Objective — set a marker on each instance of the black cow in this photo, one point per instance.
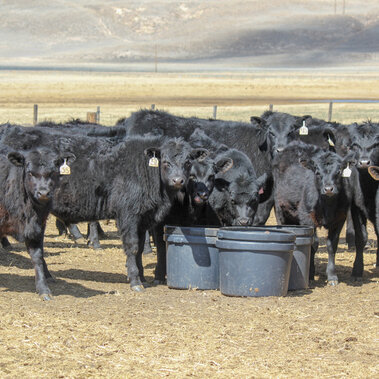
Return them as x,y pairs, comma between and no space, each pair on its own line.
52,134
114,181
248,138
121,185
309,190
365,143
28,181
283,128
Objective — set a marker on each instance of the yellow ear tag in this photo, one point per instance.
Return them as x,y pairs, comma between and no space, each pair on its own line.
153,161
65,168
303,131
331,143
346,173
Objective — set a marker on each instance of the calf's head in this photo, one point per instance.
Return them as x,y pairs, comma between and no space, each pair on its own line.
41,172
280,129
329,171
239,199
365,144
175,158
202,177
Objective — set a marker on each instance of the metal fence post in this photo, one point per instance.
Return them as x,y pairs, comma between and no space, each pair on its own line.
35,114
330,111
215,112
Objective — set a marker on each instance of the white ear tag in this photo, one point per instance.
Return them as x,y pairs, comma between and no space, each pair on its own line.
65,168
153,161
346,173
331,143
303,131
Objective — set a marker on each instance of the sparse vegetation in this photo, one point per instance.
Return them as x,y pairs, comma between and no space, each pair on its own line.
66,95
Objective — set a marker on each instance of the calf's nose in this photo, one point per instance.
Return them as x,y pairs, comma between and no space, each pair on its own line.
243,221
43,195
364,163
203,195
328,190
178,182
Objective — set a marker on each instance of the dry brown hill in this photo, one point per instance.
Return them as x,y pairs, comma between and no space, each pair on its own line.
286,33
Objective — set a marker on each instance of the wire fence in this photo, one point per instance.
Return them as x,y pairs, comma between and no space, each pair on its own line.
345,111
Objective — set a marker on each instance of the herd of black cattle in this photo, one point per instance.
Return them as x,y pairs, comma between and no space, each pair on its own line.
155,168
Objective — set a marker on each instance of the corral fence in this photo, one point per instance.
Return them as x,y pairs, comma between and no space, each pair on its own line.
95,117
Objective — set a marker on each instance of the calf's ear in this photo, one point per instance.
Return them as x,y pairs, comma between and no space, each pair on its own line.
68,157
151,152
301,120
350,158
265,184
16,158
258,121
199,154
223,165
307,163
374,172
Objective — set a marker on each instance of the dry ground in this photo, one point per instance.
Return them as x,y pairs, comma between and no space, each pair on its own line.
97,327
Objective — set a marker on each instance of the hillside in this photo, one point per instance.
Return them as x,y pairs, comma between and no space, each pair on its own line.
287,33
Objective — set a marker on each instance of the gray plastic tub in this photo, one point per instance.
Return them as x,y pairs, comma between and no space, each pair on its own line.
254,261
192,257
299,275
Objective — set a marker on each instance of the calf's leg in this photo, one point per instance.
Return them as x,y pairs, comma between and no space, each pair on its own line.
331,245
35,250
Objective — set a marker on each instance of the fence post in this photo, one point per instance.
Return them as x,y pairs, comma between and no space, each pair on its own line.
35,114
330,111
271,107
153,106
91,117
215,112
98,115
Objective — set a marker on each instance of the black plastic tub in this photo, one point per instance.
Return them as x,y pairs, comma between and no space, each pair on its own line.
254,261
299,275
192,257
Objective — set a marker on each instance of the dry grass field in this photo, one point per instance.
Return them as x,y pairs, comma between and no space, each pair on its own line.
96,327
65,95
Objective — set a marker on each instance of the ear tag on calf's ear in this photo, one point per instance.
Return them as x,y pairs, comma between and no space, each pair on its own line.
346,173
331,143
65,168
153,161
303,131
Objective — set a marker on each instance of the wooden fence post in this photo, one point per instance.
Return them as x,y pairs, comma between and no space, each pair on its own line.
215,112
271,107
91,117
153,106
35,114
330,111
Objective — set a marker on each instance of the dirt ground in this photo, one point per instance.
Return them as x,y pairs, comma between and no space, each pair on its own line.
97,327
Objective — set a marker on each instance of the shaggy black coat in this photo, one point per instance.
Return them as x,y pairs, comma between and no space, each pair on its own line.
27,184
248,138
309,190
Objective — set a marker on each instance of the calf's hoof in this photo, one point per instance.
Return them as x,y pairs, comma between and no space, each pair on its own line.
138,288
46,296
333,282
357,279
